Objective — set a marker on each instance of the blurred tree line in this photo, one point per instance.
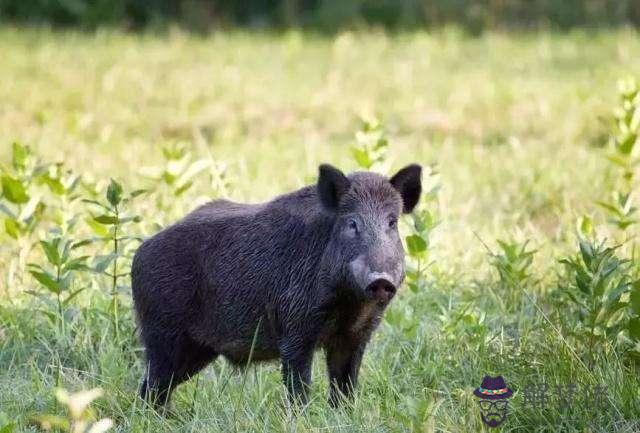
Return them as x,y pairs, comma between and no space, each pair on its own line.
326,15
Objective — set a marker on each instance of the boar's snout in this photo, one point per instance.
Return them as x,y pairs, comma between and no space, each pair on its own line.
380,287
373,282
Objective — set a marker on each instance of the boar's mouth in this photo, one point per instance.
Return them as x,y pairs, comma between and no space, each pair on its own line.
381,289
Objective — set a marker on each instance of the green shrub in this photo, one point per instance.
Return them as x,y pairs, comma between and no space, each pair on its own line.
108,225
513,264
602,292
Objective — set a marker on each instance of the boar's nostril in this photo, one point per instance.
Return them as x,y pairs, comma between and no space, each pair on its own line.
381,284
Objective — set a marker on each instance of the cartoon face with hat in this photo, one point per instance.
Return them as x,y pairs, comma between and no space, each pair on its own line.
493,394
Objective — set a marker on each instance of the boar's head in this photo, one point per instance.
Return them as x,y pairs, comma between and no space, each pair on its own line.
365,254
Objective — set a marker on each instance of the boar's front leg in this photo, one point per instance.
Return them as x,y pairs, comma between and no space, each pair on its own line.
343,364
297,358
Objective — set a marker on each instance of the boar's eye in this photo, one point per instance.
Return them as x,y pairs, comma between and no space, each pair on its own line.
352,225
393,222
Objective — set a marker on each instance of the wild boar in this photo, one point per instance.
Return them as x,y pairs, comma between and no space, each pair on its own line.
311,269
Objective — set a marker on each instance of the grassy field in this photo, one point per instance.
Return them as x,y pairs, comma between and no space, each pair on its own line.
515,125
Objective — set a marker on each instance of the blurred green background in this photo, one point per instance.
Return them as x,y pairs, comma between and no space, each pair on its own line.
326,15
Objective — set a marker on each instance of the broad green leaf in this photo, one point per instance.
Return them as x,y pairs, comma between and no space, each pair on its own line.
137,192
605,314
36,267
618,160
106,219
573,297
13,190
114,193
168,178
81,243
97,203
176,151
416,245
625,224
53,317
77,264
586,251
20,155
46,280
362,157
12,227
50,249
413,287
423,221
184,187
131,238
73,295
611,208
99,229
583,281
54,184
626,142
586,226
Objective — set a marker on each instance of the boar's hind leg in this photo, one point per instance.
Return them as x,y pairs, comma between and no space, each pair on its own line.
171,363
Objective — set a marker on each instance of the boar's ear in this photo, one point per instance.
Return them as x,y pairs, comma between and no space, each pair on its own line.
408,183
332,183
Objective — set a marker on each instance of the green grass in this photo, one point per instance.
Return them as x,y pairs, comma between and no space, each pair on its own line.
513,122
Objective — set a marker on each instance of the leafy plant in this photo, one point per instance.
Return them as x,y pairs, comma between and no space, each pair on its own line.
598,286
175,177
21,210
370,153
32,193
371,147
80,417
57,278
624,155
179,169
513,263
621,211
108,225
21,204
627,129
418,242
464,319
419,227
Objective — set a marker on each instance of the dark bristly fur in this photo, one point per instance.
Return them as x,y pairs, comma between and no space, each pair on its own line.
311,269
